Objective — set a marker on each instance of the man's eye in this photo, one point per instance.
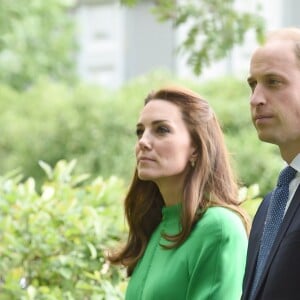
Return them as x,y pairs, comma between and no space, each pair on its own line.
252,85
273,82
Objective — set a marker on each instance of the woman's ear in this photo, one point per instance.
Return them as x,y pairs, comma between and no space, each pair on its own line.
193,156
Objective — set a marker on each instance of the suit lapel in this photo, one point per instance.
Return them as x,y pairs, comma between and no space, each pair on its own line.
254,243
294,206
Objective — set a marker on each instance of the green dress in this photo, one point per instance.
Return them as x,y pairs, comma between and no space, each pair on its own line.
208,265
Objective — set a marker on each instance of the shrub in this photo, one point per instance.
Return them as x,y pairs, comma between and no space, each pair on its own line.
52,244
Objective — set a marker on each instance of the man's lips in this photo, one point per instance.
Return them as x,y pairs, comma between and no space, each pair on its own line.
262,117
261,120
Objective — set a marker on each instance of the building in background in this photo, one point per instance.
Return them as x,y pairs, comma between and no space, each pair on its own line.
118,43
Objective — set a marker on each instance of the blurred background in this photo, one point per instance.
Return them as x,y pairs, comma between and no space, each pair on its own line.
73,76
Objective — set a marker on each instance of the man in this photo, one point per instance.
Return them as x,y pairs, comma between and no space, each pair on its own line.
273,261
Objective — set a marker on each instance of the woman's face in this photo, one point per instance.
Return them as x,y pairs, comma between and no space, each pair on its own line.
164,146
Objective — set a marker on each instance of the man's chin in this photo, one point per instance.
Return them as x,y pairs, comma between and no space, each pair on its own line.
267,138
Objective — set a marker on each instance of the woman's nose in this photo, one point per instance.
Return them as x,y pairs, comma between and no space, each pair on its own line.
144,141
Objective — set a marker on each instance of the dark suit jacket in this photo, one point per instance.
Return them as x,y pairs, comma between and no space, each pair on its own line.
280,279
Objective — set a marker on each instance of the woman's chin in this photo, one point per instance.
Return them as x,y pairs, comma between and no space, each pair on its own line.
145,176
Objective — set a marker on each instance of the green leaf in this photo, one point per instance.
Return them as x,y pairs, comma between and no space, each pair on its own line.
47,169
93,250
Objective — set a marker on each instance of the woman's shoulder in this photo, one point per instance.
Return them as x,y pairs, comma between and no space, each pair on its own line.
221,220
221,214
219,229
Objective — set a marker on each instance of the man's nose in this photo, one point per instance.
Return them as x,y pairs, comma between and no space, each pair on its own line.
258,96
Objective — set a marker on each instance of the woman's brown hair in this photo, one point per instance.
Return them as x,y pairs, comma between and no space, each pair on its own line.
210,182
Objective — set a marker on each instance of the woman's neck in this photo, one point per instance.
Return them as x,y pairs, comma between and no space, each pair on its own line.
171,193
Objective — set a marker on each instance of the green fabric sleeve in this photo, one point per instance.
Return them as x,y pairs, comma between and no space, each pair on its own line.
220,260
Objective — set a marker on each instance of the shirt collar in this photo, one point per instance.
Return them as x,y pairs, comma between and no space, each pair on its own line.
296,163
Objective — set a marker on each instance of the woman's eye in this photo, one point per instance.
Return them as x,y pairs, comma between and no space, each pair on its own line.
139,132
162,129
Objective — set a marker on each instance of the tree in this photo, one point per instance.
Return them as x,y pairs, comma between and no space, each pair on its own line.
214,27
36,39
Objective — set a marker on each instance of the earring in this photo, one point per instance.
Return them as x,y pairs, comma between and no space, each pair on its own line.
192,163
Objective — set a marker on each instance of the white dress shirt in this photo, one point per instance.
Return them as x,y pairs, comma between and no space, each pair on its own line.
295,182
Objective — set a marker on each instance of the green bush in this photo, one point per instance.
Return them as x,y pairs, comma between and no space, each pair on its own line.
250,199
38,39
50,122
95,125
52,245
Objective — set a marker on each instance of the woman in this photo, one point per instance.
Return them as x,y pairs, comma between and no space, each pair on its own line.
187,234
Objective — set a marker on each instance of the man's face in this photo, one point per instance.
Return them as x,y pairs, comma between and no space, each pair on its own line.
275,100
